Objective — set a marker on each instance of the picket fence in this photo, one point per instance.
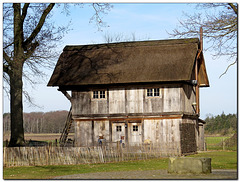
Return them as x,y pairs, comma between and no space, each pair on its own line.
52,155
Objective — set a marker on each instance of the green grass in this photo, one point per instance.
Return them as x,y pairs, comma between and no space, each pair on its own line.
48,172
215,140
220,160
215,143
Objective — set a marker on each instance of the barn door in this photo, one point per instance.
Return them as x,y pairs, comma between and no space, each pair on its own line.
118,131
135,133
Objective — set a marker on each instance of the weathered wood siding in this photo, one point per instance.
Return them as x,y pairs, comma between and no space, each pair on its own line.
188,97
135,137
201,142
164,132
83,133
153,104
100,117
116,101
178,98
101,129
171,99
134,100
116,135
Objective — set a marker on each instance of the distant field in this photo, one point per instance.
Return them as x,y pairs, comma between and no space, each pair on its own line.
215,139
216,142
39,136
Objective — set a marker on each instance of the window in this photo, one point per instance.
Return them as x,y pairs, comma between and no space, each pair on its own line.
102,94
153,92
119,128
156,91
149,92
95,94
135,127
99,94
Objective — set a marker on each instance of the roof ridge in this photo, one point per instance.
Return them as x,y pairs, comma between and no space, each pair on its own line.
131,43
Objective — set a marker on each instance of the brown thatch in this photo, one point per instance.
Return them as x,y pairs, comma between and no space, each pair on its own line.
127,62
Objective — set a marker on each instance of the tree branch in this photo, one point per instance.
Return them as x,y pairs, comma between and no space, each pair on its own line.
31,50
24,11
8,60
233,7
39,25
6,57
228,68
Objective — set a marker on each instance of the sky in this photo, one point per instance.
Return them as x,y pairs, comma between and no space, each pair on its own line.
146,22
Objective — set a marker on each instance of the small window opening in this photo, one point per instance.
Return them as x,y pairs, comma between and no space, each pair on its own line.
102,94
99,94
95,94
156,92
135,127
119,128
149,92
153,92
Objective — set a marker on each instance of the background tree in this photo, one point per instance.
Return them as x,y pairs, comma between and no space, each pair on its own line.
29,42
121,37
221,124
219,25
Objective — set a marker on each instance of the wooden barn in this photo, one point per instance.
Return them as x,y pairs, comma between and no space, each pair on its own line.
135,92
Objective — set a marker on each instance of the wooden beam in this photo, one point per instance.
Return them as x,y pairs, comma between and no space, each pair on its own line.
201,39
66,94
197,86
137,120
196,72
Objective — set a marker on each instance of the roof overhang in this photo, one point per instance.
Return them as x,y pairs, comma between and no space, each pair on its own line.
202,72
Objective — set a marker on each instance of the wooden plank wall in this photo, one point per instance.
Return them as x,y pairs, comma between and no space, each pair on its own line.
188,97
163,132
177,98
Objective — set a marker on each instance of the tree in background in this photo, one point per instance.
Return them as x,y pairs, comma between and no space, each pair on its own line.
29,42
39,122
221,124
219,24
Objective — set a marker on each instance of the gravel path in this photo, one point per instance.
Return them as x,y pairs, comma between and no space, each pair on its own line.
152,174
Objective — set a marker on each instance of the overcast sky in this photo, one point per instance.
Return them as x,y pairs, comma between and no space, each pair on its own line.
146,22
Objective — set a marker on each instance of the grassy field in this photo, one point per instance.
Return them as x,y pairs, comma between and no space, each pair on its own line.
39,136
216,143
220,160
47,172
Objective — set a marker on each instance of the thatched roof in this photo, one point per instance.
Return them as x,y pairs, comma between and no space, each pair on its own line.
127,62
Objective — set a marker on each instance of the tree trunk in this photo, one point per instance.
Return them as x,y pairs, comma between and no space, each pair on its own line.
16,84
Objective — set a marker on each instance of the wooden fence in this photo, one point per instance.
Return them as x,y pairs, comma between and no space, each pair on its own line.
221,145
52,155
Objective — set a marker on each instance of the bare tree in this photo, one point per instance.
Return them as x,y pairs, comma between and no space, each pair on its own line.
29,41
120,37
219,25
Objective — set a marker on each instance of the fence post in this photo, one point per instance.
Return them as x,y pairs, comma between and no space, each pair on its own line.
56,142
46,149
223,144
4,156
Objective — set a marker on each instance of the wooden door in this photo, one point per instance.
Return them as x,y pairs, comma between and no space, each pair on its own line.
118,131
134,133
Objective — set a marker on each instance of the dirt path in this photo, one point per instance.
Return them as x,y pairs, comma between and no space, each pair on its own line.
152,174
